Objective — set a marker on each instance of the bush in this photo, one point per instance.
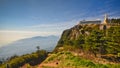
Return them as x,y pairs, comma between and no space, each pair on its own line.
118,54
33,59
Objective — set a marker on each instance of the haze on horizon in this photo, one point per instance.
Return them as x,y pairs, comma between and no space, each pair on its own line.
27,18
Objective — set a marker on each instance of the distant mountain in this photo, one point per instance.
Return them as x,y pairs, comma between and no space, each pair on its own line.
28,45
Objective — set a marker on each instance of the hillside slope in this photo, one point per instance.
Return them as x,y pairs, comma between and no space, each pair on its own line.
86,46
89,39
66,59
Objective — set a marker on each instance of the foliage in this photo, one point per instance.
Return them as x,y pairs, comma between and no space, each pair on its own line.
68,59
32,59
115,21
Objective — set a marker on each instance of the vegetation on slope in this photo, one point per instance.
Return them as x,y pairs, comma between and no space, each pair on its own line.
32,59
66,59
89,38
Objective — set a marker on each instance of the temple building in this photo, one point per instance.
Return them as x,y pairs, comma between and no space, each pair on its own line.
103,25
105,22
90,22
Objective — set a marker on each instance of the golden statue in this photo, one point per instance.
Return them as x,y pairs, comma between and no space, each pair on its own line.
105,22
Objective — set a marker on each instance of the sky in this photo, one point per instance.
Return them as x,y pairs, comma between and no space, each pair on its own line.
27,18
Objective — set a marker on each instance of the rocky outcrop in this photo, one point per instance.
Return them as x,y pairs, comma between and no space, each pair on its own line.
75,32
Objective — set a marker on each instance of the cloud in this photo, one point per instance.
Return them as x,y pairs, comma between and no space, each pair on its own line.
26,33
115,13
56,26
8,36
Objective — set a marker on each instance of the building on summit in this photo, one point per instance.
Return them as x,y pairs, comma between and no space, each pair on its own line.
103,25
105,22
90,22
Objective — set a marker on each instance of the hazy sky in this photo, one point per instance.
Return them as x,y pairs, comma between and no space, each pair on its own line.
27,18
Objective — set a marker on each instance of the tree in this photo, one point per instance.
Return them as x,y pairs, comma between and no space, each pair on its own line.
38,48
95,42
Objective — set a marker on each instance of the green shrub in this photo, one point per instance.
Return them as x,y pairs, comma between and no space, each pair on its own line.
118,54
33,59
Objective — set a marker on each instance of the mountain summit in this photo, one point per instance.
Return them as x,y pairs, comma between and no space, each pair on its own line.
89,39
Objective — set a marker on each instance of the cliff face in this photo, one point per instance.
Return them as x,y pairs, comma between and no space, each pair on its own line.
75,38
75,32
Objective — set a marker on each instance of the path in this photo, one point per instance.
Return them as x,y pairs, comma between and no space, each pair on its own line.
52,64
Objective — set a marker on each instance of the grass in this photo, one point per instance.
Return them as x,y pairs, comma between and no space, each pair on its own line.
67,59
